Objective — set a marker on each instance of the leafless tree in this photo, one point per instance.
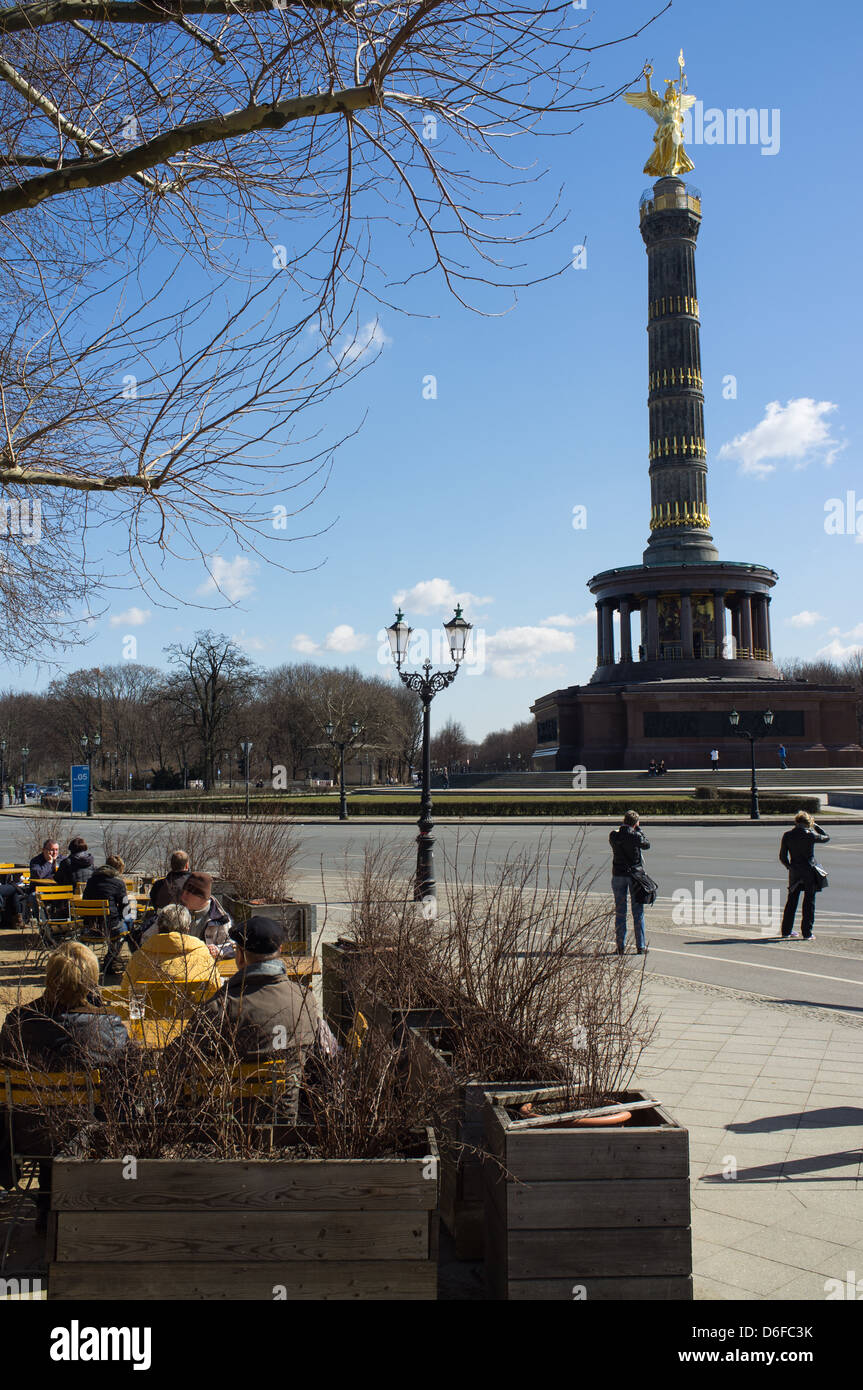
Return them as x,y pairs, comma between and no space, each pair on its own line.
212,678
268,143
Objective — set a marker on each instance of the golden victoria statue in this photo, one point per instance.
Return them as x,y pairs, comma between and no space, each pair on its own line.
669,157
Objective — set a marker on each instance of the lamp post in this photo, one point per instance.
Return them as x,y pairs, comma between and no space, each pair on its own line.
427,684
88,744
753,727
342,744
2,774
25,753
246,749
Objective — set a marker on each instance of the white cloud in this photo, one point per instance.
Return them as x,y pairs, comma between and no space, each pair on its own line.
520,651
344,639
805,619
834,651
231,578
432,595
304,643
852,633
133,617
370,338
564,620
795,431
249,644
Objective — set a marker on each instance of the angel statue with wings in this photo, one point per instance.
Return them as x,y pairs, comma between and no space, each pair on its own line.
669,158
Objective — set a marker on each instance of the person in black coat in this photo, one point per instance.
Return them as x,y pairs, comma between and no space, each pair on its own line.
66,1029
797,854
167,890
108,883
77,865
627,843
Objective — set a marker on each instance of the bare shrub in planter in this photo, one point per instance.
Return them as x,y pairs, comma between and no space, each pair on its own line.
137,844
256,855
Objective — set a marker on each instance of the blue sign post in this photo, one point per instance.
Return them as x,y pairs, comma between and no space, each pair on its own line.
79,785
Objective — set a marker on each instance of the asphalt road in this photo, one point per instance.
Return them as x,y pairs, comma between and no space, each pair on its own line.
738,949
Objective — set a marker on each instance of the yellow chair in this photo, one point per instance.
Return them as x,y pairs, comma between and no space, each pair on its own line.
30,1093
357,1033
168,998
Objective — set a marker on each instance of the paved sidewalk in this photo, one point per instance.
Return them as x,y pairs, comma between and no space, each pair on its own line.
772,1095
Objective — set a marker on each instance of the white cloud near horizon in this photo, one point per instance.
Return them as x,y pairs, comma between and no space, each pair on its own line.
133,617
514,652
564,620
343,638
805,619
231,578
432,595
303,643
797,431
834,651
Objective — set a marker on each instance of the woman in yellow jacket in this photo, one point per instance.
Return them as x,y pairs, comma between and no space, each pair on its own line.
170,956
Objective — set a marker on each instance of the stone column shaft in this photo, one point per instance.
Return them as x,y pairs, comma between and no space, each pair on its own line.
608,633
719,622
625,631
746,622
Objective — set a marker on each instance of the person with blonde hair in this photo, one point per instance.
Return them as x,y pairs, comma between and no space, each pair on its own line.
797,854
170,954
68,1025
65,1029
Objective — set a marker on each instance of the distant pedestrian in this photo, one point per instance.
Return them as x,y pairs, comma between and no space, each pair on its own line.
782,757
714,759
651,768
627,843
662,769
797,854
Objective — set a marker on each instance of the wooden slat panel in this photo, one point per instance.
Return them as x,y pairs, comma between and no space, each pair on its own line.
542,1156
136,1237
556,1254
580,1205
309,1184
496,1258
661,1289
322,1279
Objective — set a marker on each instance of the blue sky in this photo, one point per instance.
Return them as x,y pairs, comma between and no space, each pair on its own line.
472,493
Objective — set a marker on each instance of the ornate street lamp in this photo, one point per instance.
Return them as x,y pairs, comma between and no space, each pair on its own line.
88,744
342,744
426,684
753,727
246,749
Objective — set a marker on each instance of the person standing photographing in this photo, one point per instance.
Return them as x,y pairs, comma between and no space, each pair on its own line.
627,843
797,854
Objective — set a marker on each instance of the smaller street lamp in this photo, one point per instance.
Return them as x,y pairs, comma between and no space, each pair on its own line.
245,749
2,774
753,727
342,744
25,753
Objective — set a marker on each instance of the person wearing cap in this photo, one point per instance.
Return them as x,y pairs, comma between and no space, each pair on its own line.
260,1013
210,922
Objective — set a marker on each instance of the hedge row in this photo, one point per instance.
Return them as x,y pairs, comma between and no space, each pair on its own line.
571,807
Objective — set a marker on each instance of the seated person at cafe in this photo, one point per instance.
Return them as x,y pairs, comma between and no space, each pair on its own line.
12,902
260,1014
168,889
210,922
109,884
77,865
66,1029
44,864
172,956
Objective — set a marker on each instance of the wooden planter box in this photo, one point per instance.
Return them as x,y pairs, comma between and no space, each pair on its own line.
462,1203
212,1229
588,1213
341,1002
298,919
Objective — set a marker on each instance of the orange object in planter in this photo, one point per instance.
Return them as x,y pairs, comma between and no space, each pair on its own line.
598,1121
